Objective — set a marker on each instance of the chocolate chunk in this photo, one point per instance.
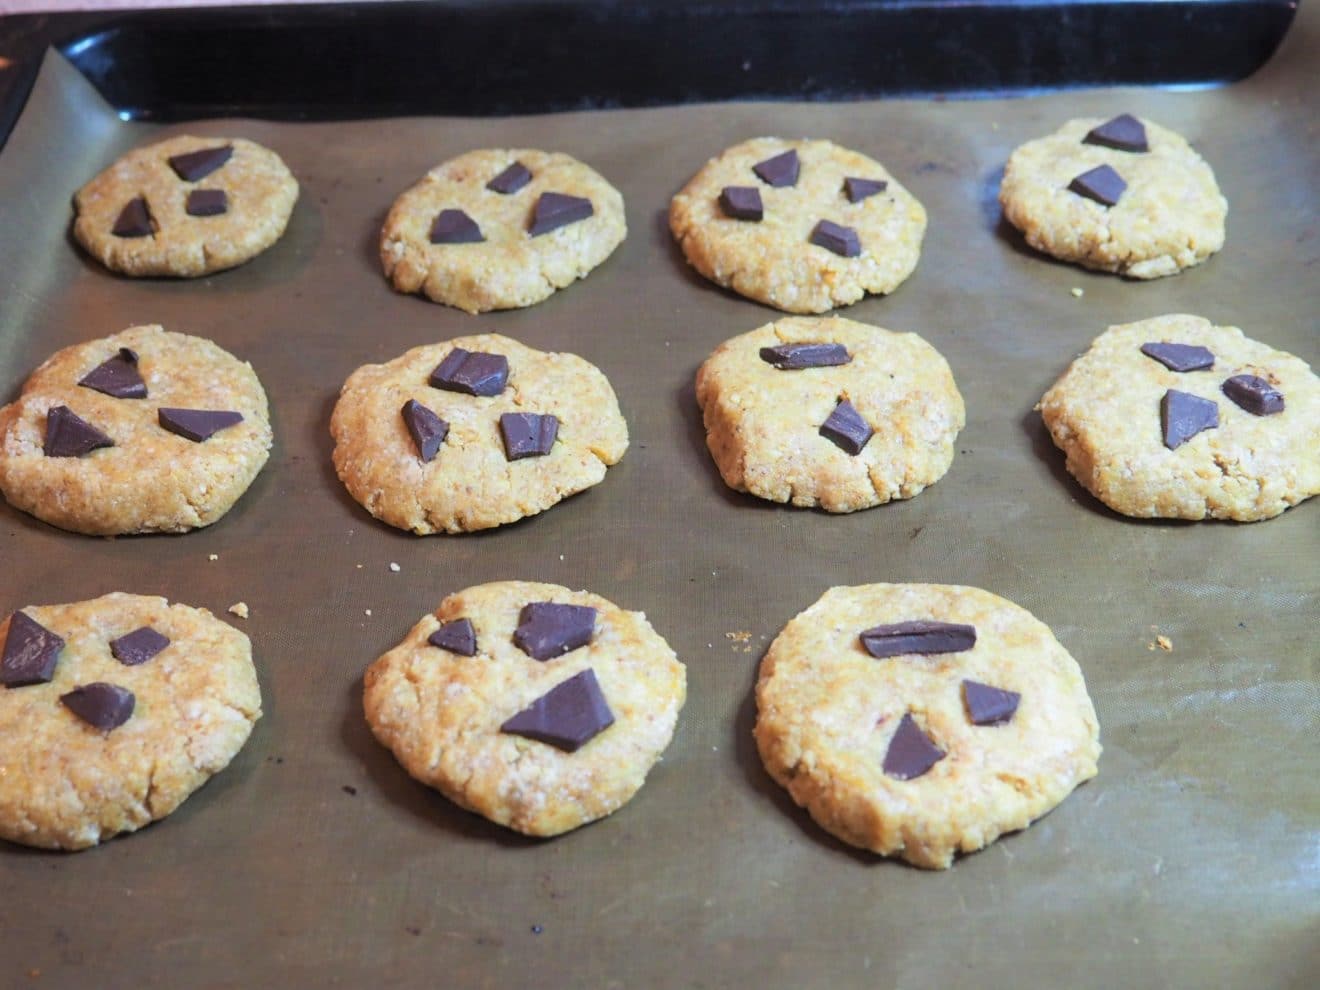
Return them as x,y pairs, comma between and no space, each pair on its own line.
102,706
567,716
117,377
781,170
528,434
455,227
199,164
911,753
837,238
206,203
919,636
1101,184
555,210
31,652
847,428
457,636
1123,133
791,357
1180,357
1183,416
69,435
134,220
197,424
859,189
510,180
139,646
428,430
1254,394
742,203
549,629
471,372
988,705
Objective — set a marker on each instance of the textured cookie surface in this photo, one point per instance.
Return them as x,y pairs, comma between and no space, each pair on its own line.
1105,414
828,712
441,712
509,267
774,260
259,193
1170,216
151,480
67,785
763,425
470,483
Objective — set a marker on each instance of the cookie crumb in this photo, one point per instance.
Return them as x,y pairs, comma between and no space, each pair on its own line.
214,556
394,567
359,567
367,612
350,790
1164,643
239,609
742,637
1077,292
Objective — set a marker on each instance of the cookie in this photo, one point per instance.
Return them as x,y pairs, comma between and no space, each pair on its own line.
535,706
113,711
1123,195
145,431
803,226
474,432
829,412
1176,418
922,720
500,228
186,207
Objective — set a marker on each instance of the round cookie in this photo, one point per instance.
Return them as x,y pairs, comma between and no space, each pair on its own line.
1108,411
541,746
67,784
813,247
391,461
500,228
1168,216
889,748
200,211
156,478
773,433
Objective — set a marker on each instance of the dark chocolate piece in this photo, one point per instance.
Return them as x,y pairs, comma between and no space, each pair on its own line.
567,716
846,428
69,435
859,189
455,227
554,210
742,203
837,238
792,357
1101,184
1180,357
457,636
206,203
117,377
102,706
1183,416
1254,394
911,752
31,652
197,424
781,170
199,164
919,636
134,220
428,430
139,646
988,705
510,180
1122,133
549,629
471,372
528,434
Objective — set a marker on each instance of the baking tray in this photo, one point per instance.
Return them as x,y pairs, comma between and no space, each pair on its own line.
314,860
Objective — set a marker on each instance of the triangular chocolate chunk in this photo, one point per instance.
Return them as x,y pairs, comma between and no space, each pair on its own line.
471,372
1254,394
554,210
455,227
134,220
1179,357
988,705
549,629
1101,184
1183,416
567,717
510,180
795,357
206,203
197,424
835,237
199,164
528,434
1123,133
910,753
118,377
102,706
918,636
69,435
780,170
742,203
457,636
138,647
31,652
846,428
859,189
428,430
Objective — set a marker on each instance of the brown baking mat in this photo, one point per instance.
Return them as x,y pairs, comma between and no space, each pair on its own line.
315,861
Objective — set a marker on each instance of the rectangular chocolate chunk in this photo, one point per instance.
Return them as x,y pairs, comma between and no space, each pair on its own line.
528,434
471,372
1179,357
510,180
1122,133
742,203
846,428
206,203
835,237
455,227
554,210
568,716
792,357
918,636
427,429
31,652
102,706
550,629
134,220
859,189
780,170
197,425
1254,394
138,647
1101,184
117,377
69,435
199,164
1183,416
911,752
988,705
457,636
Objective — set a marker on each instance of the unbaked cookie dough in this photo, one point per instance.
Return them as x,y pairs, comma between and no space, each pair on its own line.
1123,195
1235,434
535,706
112,712
186,207
501,229
474,432
145,431
922,720
803,226
876,421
